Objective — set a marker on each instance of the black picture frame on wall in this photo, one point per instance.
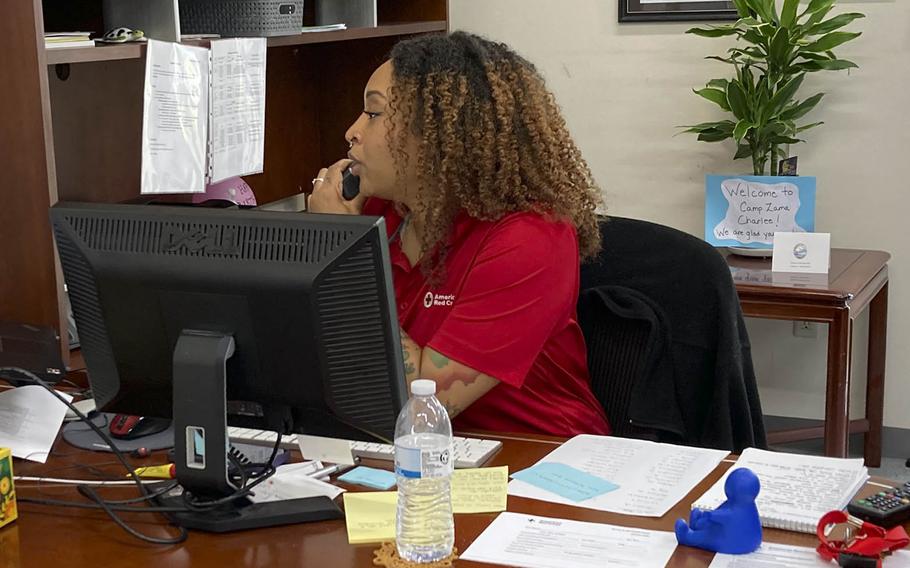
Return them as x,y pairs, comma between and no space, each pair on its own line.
675,10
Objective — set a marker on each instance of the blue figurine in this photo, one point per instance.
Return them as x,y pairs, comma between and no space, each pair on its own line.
734,527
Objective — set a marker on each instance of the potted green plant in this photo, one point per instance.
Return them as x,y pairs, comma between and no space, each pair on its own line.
774,51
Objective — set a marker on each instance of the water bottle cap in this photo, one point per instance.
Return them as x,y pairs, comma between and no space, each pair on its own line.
423,387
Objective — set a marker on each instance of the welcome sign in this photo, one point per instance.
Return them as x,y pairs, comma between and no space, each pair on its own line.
746,211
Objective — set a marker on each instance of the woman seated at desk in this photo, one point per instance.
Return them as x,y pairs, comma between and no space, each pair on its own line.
490,209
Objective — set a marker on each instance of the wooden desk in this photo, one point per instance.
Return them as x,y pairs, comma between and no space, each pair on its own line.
53,536
857,279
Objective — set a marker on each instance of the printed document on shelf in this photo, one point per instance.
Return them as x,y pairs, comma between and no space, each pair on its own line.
529,541
237,107
30,418
771,555
652,477
175,118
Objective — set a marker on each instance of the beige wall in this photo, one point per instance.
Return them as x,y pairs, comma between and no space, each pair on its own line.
623,88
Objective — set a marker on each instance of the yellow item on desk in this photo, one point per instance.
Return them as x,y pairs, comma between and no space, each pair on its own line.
8,512
370,517
480,490
166,471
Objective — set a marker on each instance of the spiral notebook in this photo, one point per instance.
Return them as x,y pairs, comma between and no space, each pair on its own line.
796,490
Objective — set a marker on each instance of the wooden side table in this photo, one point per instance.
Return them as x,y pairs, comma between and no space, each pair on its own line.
857,279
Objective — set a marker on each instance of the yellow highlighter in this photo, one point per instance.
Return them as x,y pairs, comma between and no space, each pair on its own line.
166,471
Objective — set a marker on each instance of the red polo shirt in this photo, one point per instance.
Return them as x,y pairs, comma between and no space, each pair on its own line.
506,308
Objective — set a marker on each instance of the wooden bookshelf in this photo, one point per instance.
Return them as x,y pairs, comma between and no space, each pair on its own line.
103,52
72,124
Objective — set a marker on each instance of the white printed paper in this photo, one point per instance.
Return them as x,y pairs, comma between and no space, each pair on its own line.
174,118
796,490
237,107
801,252
30,419
542,542
756,205
294,481
771,555
330,450
652,477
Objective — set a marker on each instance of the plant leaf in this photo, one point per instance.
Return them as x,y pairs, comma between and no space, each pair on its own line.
718,84
722,126
788,13
713,31
831,40
741,8
801,109
713,136
818,16
753,36
834,23
747,79
764,8
716,96
813,56
737,101
746,21
826,65
779,54
784,95
721,59
816,5
808,126
784,140
743,151
742,128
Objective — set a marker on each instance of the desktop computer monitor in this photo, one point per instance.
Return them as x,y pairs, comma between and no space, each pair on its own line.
277,321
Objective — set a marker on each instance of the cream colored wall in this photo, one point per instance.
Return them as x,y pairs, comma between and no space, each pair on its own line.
623,89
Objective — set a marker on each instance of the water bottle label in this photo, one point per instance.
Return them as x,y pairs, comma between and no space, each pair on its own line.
416,464
407,462
436,463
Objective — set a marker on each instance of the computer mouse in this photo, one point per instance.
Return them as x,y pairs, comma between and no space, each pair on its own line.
127,427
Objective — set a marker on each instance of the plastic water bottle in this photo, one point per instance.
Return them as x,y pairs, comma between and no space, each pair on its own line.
425,530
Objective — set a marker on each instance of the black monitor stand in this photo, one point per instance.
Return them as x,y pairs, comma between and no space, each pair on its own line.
201,444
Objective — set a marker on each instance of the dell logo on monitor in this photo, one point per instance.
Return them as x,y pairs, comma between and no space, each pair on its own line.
208,240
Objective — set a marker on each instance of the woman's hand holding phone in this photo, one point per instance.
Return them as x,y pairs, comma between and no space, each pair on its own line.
328,192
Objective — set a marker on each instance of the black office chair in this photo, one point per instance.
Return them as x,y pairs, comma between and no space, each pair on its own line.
668,350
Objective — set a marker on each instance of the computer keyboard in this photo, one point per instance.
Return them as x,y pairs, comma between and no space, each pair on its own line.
469,452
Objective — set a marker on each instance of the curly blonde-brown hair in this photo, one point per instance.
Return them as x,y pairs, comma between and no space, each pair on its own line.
490,139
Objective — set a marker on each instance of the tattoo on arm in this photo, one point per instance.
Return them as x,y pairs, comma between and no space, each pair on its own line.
408,364
410,353
439,360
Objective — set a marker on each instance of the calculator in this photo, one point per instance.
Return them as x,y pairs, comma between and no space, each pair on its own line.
886,508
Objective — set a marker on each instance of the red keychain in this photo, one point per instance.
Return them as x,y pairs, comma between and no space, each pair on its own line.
861,545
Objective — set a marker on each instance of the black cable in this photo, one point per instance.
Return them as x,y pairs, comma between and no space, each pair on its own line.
153,495
201,505
182,533
90,493
192,504
79,505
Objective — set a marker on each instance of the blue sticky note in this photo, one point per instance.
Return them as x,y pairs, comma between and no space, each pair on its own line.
565,481
370,477
746,211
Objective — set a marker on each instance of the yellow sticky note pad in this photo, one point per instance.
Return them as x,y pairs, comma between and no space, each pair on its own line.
479,490
370,516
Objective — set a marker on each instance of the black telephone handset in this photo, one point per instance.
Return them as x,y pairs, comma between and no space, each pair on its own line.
350,185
